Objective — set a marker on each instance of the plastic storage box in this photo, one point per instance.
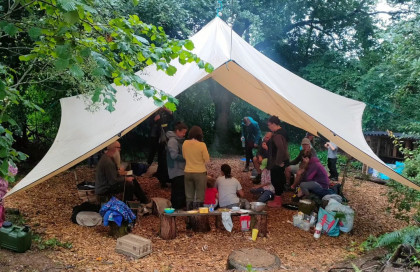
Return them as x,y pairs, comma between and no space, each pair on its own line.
15,238
134,246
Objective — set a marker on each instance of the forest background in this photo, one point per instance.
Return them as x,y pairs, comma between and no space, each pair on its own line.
55,48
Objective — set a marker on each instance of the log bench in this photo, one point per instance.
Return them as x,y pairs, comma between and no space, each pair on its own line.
168,229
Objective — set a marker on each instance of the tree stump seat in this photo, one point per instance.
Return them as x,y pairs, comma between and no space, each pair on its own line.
253,259
200,222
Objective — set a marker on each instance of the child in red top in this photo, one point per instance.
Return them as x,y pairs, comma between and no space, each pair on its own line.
211,195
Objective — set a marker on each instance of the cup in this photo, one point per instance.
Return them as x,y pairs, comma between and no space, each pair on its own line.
254,234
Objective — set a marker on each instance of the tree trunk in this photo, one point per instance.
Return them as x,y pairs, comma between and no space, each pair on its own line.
222,101
167,227
200,223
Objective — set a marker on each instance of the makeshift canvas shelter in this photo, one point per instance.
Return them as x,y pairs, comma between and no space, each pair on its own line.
242,70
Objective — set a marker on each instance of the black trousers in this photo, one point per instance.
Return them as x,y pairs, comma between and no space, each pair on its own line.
278,179
162,170
332,166
248,152
178,192
131,189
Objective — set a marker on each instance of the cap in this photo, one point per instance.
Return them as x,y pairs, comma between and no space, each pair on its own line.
263,164
305,141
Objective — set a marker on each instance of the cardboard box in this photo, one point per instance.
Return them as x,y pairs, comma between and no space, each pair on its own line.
134,246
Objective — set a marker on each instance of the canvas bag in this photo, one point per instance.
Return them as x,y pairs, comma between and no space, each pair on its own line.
328,222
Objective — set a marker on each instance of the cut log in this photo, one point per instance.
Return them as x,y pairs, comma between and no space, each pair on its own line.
253,259
200,223
167,227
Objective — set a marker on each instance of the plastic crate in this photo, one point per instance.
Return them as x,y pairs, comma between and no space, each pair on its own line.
134,246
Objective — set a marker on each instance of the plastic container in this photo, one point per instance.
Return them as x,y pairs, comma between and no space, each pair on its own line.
245,222
134,246
211,208
203,210
15,238
169,210
318,229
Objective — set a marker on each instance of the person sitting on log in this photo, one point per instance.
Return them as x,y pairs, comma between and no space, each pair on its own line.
265,190
293,168
112,180
211,195
315,176
230,190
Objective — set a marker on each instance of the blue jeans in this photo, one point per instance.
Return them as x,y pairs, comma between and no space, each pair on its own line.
265,195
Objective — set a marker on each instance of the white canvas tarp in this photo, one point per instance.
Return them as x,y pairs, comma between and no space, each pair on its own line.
239,68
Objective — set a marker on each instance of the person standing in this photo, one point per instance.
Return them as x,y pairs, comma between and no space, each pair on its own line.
278,158
159,126
176,164
251,134
196,155
332,160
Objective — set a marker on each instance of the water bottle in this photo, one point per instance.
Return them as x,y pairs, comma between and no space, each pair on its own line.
211,208
318,229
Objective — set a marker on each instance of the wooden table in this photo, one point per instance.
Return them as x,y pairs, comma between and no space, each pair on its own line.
168,223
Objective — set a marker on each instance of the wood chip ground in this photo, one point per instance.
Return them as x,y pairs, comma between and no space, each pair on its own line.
48,207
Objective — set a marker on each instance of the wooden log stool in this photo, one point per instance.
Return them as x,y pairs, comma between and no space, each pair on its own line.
247,259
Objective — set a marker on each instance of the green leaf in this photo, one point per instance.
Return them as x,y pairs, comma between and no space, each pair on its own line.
200,64
61,64
149,92
2,90
136,2
209,68
11,29
71,17
141,39
171,70
170,106
117,81
87,27
22,156
3,153
67,5
158,102
27,57
76,71
63,51
96,95
85,52
34,33
4,168
149,61
98,72
189,45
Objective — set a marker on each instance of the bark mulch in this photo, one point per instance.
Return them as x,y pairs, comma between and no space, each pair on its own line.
48,208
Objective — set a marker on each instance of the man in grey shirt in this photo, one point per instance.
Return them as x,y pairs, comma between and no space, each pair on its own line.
110,180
